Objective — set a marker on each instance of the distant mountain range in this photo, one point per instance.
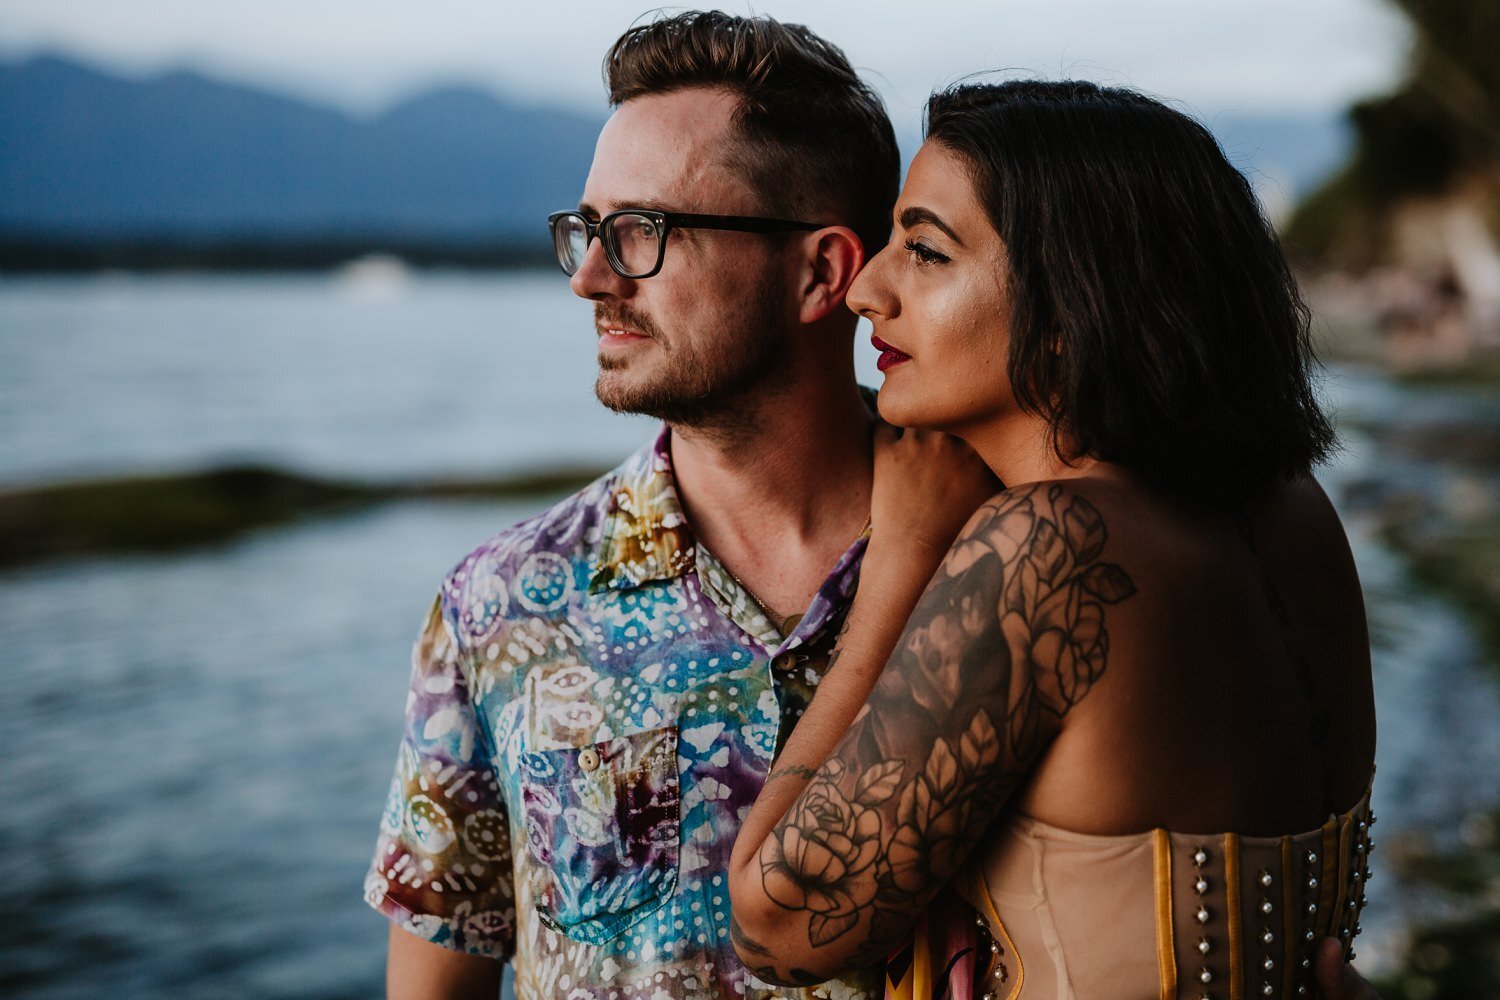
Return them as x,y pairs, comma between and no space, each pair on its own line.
91,159
88,156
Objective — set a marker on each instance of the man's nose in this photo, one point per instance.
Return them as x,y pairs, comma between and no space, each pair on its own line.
595,279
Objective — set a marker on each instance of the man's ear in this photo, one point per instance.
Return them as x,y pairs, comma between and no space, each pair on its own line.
833,257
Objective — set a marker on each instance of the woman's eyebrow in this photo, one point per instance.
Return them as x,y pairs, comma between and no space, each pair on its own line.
916,215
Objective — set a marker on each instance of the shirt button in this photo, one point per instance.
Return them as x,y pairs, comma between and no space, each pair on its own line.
588,759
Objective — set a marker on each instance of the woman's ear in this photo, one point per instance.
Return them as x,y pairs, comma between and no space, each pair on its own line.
833,257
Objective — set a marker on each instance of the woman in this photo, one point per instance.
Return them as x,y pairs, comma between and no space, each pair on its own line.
1130,718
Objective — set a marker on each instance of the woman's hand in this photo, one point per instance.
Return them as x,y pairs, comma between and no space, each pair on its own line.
927,485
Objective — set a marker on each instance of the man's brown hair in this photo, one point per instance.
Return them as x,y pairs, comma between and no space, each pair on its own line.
814,139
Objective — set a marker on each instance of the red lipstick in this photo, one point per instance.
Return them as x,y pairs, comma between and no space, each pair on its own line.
889,356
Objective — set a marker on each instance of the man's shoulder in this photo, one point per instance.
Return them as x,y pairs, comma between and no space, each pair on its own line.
554,549
568,528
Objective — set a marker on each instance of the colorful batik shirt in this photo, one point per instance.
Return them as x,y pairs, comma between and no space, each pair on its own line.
594,706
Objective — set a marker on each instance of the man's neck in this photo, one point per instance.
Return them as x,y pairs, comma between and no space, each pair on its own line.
779,501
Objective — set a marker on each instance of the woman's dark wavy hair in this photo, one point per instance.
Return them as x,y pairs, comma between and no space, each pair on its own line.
1154,321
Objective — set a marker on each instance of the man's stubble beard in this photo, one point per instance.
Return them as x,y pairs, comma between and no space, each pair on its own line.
716,383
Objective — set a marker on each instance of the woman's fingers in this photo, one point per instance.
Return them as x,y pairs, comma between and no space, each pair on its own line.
927,484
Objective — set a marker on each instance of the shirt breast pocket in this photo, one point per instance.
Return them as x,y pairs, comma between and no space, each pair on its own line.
602,832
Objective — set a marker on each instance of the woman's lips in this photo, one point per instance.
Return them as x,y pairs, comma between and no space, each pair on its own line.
889,356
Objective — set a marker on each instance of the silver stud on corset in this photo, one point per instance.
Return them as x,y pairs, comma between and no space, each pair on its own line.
1312,908
1204,946
1302,991
1268,964
1205,975
1266,937
1200,886
1311,857
1202,914
1266,879
1266,907
1200,857
1312,882
1267,990
1309,936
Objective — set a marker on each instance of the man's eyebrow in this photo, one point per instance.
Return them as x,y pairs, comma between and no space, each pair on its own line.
649,204
916,215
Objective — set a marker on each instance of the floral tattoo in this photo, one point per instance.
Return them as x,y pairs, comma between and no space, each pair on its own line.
1007,638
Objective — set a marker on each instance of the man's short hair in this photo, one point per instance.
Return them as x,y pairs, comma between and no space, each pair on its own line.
814,139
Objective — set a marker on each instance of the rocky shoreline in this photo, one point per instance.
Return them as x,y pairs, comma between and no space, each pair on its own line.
180,510
1435,494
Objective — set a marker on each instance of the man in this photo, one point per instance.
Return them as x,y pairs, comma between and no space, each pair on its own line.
599,691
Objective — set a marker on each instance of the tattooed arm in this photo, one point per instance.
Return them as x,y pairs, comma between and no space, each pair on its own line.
831,871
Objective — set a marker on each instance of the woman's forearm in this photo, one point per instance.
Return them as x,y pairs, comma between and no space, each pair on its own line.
891,582
802,874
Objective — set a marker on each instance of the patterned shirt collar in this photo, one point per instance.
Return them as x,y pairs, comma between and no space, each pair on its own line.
646,537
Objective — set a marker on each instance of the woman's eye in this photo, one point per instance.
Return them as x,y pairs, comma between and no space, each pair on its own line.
924,254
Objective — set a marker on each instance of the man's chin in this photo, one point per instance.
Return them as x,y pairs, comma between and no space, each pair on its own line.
617,392
676,404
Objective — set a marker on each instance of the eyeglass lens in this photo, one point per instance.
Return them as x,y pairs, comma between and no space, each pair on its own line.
631,241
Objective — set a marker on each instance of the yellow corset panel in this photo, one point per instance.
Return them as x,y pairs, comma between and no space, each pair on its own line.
1161,915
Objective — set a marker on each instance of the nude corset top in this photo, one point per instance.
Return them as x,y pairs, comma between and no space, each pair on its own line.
1166,915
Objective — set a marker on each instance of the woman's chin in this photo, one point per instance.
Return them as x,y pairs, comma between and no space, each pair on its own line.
900,410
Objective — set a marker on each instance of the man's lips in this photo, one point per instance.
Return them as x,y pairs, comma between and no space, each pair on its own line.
889,356
619,334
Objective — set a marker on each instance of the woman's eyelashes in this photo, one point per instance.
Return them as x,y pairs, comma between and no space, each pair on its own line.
923,254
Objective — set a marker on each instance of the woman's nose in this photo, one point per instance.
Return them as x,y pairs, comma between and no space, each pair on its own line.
869,295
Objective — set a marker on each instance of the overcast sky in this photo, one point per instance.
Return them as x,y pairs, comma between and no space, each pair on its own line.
1215,55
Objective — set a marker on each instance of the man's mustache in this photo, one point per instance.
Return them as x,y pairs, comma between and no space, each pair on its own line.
615,315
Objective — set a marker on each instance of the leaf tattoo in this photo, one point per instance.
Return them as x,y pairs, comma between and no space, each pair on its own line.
1008,637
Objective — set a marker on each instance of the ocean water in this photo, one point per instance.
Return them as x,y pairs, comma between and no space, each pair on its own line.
196,745
374,374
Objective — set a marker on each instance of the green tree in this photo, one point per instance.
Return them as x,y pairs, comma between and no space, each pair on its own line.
1438,131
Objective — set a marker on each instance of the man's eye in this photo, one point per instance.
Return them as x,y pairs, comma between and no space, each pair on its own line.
924,254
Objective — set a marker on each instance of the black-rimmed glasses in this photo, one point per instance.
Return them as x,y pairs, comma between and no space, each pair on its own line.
635,239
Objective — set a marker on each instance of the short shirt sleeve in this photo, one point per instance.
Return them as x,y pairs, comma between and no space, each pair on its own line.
442,868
